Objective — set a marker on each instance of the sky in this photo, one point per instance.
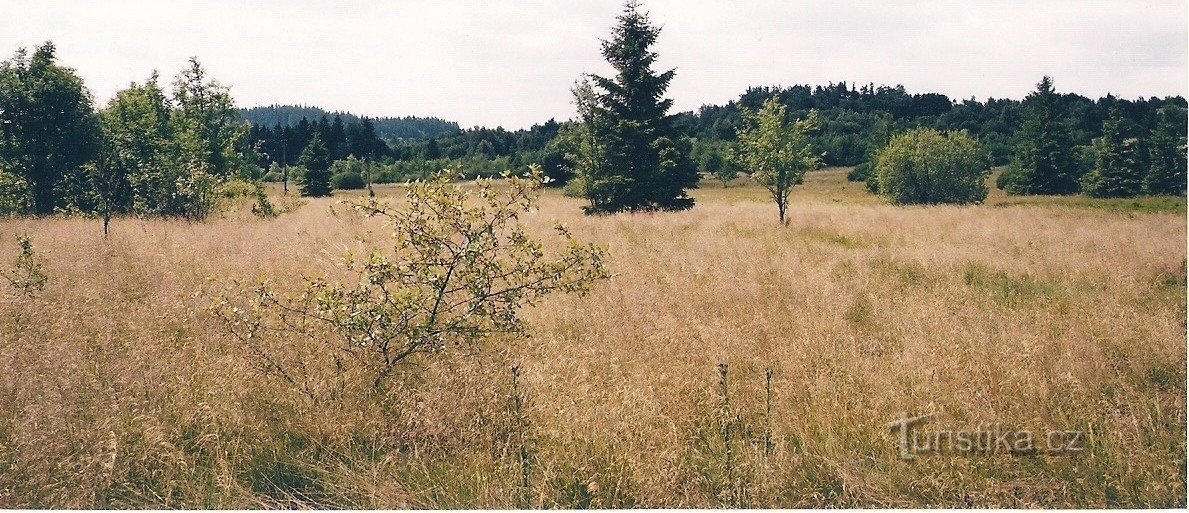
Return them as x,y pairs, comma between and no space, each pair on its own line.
512,63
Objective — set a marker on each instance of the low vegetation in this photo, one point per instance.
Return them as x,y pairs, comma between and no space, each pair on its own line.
927,167
119,387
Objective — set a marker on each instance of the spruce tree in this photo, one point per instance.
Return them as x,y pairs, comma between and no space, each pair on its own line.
1167,153
638,159
1044,161
316,161
1119,166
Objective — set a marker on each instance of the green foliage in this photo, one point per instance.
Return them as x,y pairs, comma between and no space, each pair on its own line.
714,158
924,166
1167,154
348,180
139,143
169,157
237,188
48,130
352,173
881,134
315,160
860,173
638,159
210,135
27,276
407,127
1044,162
560,156
15,196
459,270
263,207
776,152
1120,160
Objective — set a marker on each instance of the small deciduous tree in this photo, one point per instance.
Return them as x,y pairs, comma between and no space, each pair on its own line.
925,167
27,275
460,268
775,151
263,207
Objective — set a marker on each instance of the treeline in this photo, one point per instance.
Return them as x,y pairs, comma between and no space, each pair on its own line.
386,128
479,151
855,119
854,123
150,151
282,144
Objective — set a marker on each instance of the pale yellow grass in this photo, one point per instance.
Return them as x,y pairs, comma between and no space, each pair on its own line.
117,388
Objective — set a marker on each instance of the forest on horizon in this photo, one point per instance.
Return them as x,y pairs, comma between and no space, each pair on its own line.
856,120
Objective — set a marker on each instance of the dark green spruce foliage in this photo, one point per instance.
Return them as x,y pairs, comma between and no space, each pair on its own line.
316,161
644,162
1044,159
1120,160
48,130
1166,151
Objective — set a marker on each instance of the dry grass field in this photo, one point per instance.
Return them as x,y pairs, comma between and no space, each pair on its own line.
118,388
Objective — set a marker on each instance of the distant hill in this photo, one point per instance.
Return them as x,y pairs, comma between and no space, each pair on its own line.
390,129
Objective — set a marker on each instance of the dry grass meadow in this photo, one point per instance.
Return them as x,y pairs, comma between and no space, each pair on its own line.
118,388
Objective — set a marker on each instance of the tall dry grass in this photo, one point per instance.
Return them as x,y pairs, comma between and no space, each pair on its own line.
119,389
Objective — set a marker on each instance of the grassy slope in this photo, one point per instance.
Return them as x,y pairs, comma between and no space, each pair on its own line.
118,389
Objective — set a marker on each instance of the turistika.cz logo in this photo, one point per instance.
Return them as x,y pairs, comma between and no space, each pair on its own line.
984,439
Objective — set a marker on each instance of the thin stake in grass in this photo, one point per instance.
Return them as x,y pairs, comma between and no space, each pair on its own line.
728,459
767,411
522,430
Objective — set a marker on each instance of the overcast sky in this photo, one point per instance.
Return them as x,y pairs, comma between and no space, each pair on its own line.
512,63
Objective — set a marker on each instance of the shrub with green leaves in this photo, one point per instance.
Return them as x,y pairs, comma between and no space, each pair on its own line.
27,275
459,269
348,180
926,167
237,189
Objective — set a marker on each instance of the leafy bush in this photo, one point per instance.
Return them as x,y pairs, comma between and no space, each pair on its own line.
237,189
459,270
348,180
273,176
924,166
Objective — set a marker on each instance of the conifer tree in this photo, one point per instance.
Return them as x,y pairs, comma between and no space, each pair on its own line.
1119,167
1044,161
642,159
1167,153
316,161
